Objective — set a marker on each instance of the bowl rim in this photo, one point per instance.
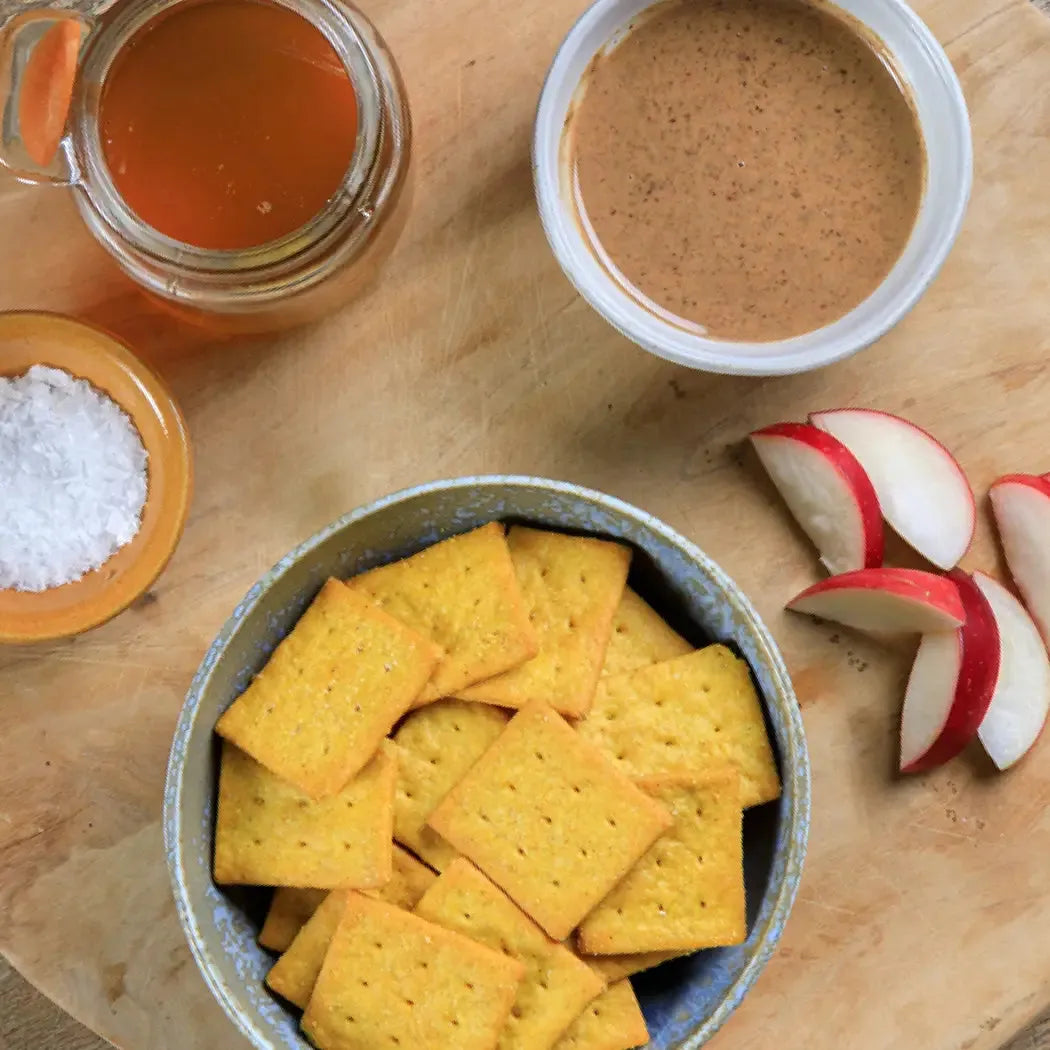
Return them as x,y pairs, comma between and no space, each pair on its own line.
831,343
798,774
165,409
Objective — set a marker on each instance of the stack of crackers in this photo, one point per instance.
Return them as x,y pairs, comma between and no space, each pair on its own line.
489,784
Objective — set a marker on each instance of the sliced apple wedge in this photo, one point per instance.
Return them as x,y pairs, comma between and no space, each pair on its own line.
885,599
1021,504
1021,699
827,492
951,684
922,490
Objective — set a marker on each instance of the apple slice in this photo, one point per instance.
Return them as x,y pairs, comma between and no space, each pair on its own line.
922,490
1021,700
951,684
827,492
885,600
1021,503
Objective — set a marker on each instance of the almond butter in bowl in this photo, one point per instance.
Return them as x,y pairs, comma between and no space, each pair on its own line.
741,185
752,170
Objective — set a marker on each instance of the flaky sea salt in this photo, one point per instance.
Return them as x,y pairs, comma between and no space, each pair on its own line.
73,479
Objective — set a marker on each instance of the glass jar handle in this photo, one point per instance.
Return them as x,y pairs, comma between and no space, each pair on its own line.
39,54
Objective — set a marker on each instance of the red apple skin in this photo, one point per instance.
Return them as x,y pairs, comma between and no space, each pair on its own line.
847,465
977,678
922,430
1039,482
1046,721
914,584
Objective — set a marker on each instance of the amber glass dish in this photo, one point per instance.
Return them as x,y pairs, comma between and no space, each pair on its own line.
28,339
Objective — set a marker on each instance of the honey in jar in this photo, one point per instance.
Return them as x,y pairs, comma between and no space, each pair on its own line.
228,123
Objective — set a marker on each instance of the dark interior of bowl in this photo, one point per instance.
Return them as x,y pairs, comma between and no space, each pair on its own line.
683,1000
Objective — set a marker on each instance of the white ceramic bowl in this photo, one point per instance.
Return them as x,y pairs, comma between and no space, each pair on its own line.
945,125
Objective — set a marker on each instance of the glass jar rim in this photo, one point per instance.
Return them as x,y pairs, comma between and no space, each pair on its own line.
115,219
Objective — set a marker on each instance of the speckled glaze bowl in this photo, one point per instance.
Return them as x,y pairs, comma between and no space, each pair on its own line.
685,1001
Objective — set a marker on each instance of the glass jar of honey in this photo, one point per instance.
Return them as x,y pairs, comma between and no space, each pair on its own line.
246,162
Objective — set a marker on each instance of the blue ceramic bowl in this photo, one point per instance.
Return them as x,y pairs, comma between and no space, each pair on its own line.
684,1001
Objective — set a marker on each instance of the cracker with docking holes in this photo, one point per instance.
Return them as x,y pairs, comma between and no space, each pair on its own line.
686,715
268,833
640,637
332,690
572,587
549,819
295,973
687,892
462,594
392,979
557,984
436,747
613,1021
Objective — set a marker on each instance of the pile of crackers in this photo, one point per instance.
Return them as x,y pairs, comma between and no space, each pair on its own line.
490,784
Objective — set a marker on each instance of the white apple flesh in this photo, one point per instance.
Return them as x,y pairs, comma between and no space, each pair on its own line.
951,684
827,492
885,599
921,488
1021,699
1021,504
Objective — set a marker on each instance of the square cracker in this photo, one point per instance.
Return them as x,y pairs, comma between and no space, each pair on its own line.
549,819
436,746
687,892
295,973
557,984
291,909
613,1021
392,979
684,716
268,833
332,690
572,586
640,637
463,594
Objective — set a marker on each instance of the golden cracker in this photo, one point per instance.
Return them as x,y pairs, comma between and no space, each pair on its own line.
295,973
684,716
290,910
332,690
615,968
640,637
436,746
268,833
392,979
687,892
463,594
613,1021
572,586
549,819
557,985
410,880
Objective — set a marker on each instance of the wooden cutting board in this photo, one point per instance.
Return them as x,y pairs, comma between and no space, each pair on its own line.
923,914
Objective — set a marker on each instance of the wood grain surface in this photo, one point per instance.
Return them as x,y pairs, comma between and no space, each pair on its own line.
923,912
